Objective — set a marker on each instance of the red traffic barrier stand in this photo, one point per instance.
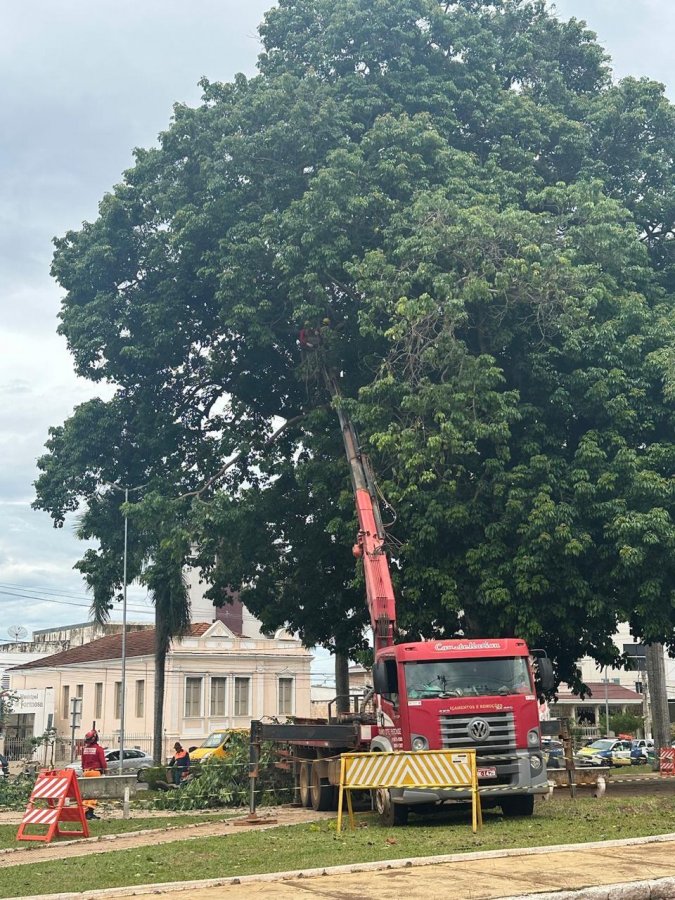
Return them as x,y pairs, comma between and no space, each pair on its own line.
667,761
55,799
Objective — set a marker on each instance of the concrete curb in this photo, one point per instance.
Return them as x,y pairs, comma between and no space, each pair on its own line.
657,889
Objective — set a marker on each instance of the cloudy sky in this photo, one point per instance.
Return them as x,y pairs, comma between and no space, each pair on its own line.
82,84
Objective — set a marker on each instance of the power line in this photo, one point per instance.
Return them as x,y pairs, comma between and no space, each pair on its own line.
45,589
61,602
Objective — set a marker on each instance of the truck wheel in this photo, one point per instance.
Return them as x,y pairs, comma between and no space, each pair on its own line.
304,785
322,793
522,805
390,813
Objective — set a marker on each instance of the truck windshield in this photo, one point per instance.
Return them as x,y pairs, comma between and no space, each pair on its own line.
467,678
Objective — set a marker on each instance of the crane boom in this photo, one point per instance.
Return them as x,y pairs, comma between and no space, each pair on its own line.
371,537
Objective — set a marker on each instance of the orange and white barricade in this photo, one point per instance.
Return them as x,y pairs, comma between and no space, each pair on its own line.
55,799
667,761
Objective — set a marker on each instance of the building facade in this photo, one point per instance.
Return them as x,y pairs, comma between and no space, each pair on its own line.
214,679
48,641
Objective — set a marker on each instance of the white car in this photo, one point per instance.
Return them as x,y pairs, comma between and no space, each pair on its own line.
134,761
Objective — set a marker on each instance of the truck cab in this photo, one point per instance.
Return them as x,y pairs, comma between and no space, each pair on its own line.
465,694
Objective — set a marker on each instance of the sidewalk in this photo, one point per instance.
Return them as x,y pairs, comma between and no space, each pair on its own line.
646,864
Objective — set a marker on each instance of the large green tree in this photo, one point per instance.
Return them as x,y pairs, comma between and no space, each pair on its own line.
485,222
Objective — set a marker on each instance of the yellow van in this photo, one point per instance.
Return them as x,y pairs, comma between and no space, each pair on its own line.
215,746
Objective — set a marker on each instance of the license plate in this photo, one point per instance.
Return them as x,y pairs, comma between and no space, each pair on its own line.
487,772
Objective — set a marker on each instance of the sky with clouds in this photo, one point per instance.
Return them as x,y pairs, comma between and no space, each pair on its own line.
83,84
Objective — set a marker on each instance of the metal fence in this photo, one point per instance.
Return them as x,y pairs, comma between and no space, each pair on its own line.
18,748
56,749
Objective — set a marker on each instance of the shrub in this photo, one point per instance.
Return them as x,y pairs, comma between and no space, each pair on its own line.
14,793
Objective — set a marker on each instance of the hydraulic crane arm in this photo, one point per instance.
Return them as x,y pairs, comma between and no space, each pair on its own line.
371,537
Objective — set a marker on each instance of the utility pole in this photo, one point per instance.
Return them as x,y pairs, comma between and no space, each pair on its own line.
75,721
123,688
638,654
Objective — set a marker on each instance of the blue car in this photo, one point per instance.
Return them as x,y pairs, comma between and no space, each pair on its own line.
554,753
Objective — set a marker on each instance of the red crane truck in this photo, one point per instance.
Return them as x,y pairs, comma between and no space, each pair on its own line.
427,695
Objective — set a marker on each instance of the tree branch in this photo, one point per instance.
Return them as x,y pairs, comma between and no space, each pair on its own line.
228,465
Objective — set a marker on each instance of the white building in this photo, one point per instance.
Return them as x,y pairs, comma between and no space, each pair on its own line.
214,679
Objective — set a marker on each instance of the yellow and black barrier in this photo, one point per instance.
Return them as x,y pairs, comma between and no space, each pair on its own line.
440,769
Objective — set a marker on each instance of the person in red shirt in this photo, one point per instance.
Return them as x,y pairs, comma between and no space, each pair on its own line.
93,763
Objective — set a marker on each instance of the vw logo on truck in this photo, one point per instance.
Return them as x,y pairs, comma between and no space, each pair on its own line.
478,729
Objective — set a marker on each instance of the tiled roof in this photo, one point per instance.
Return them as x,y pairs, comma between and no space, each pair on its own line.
598,692
139,643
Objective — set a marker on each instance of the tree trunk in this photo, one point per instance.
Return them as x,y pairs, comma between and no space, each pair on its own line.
656,672
161,647
342,682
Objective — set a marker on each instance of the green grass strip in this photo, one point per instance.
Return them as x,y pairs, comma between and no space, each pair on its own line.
118,826
309,846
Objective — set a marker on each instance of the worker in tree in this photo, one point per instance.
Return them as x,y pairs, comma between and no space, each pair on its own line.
93,763
308,337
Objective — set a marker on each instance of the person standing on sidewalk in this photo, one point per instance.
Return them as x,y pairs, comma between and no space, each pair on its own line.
93,763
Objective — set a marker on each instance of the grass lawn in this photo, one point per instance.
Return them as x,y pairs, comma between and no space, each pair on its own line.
118,826
310,846
632,772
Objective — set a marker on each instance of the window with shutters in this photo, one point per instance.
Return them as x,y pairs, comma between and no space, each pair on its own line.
98,700
286,696
218,709
140,699
193,697
242,692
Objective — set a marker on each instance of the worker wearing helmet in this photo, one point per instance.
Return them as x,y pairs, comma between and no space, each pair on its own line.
93,763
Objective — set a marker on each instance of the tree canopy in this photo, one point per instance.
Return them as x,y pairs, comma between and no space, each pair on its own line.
479,223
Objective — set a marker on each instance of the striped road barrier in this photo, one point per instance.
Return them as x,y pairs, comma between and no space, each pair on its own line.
446,769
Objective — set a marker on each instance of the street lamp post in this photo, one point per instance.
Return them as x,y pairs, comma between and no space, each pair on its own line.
123,685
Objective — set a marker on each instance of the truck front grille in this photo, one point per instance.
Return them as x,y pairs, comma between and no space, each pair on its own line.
500,741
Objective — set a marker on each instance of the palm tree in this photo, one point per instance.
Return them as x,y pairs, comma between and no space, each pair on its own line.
156,558
169,591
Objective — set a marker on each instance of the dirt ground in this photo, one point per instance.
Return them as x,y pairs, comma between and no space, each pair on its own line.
63,850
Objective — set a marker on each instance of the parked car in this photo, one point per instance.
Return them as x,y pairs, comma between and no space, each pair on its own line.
215,745
554,753
642,751
134,761
605,752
